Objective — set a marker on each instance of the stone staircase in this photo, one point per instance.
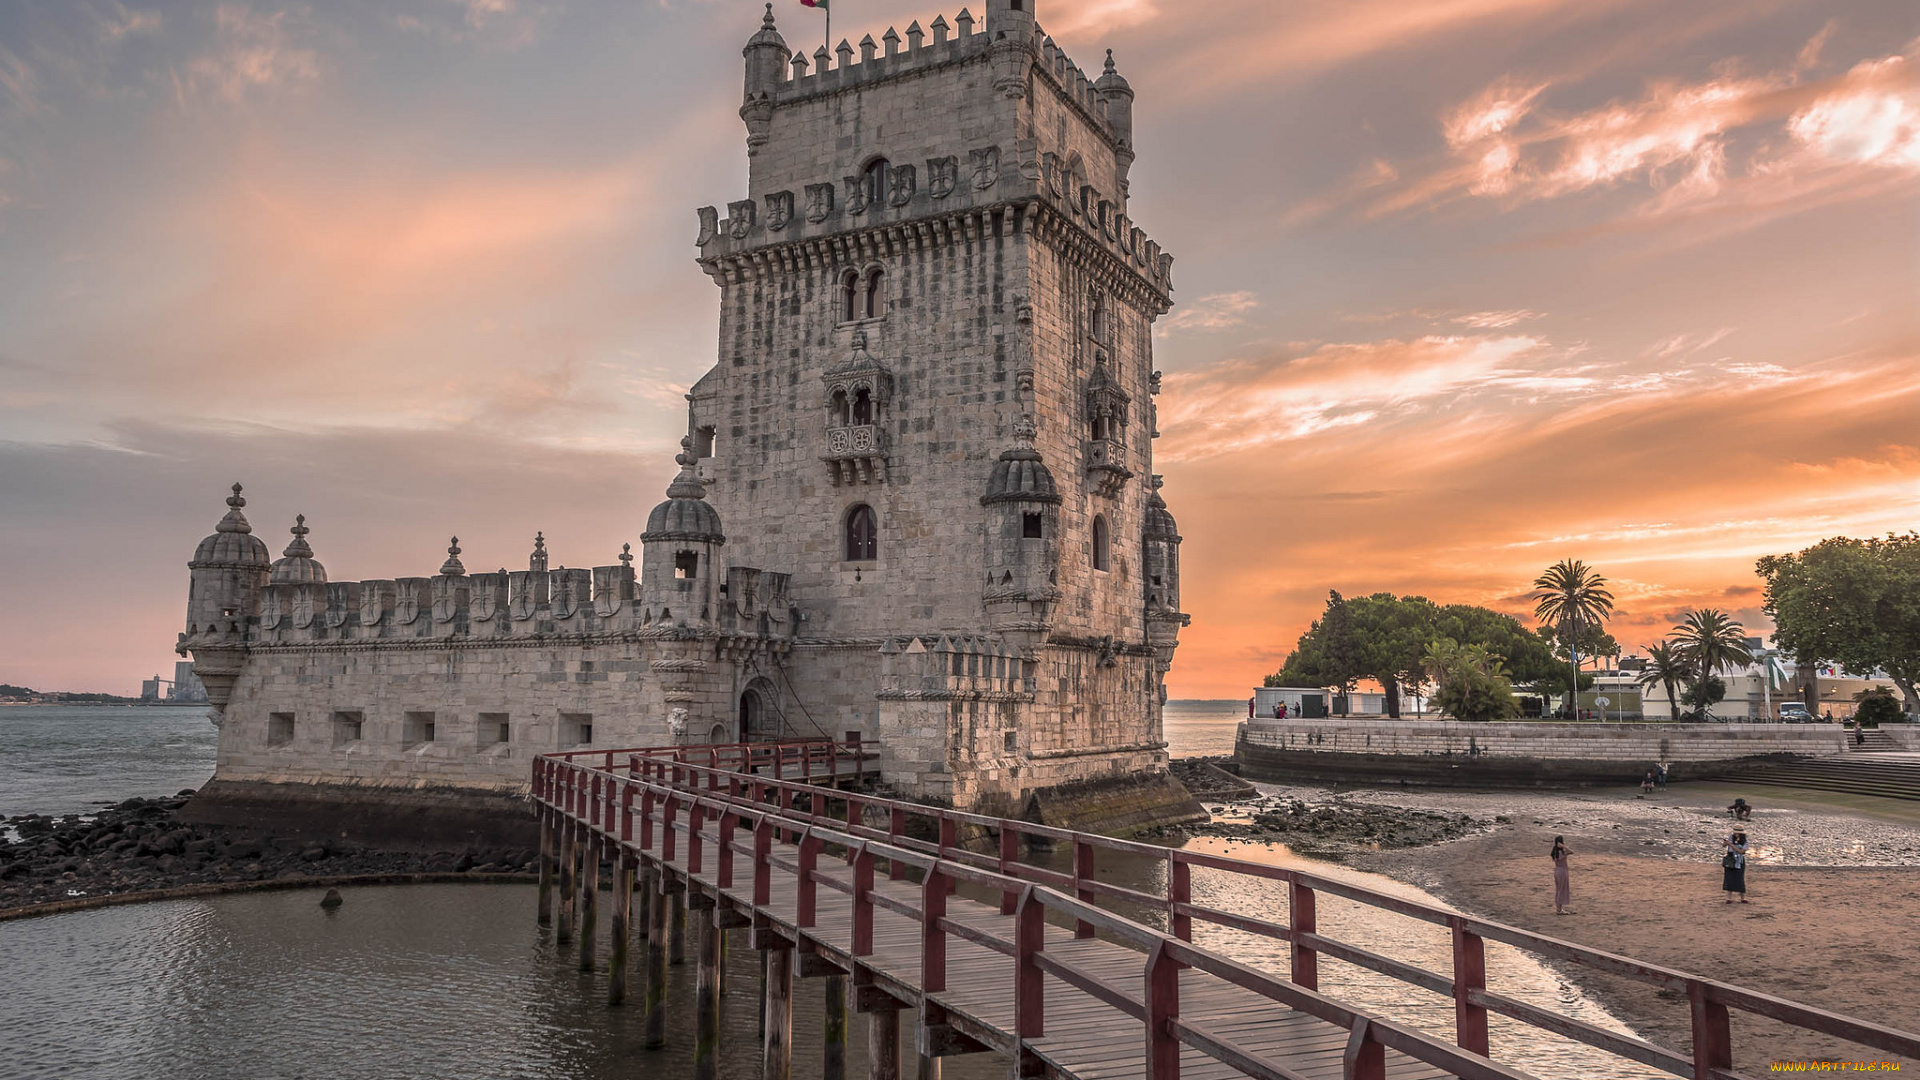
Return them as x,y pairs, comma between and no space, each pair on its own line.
1875,741
1888,775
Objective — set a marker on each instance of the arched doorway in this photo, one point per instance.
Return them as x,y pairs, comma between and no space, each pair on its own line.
759,717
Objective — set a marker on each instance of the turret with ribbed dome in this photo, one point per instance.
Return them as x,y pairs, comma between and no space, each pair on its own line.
1023,528
680,553
299,567
229,569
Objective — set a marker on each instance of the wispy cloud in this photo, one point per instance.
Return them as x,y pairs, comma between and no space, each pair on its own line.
250,52
1216,312
1731,140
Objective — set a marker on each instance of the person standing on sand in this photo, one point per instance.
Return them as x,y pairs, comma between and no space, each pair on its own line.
1562,877
1733,874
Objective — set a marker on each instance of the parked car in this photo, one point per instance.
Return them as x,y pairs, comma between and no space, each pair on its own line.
1794,712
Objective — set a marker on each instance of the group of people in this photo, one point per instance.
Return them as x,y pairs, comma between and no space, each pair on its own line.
1733,860
1656,779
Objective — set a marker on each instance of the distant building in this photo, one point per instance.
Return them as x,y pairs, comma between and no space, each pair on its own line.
186,689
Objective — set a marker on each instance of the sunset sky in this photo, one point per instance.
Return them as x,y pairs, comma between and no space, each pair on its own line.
1463,287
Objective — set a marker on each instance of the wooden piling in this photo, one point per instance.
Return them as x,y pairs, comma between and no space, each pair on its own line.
706,1000
589,901
776,1060
833,1062
929,1068
883,1045
677,934
568,856
656,1025
547,820
622,928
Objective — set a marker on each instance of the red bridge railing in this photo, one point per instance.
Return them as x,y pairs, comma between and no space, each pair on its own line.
745,786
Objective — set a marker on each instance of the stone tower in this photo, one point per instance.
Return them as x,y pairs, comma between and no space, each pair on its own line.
933,403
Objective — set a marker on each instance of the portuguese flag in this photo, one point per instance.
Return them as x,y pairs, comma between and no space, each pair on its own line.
813,3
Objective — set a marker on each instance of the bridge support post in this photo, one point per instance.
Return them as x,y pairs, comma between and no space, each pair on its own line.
928,1069
833,1062
883,1045
776,1061
546,866
643,892
569,855
656,1025
1300,918
589,900
622,928
677,935
706,1001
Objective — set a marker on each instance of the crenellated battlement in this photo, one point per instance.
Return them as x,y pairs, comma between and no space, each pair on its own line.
949,668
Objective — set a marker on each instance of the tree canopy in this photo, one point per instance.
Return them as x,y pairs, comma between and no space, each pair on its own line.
1851,602
1386,638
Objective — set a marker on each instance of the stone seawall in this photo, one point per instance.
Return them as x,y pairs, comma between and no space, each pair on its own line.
1514,755
385,818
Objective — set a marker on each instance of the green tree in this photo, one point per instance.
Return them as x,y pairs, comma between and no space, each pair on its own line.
1470,682
1526,656
1852,602
1568,595
1709,641
1703,695
1668,671
1876,707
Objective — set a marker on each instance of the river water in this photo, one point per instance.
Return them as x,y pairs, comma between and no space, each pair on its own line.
455,981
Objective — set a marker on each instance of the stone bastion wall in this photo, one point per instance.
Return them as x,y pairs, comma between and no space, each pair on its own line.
1505,754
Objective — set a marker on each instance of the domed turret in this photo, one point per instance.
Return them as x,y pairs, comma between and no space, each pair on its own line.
685,515
679,554
1159,524
299,567
1020,475
228,571
1118,98
232,543
766,53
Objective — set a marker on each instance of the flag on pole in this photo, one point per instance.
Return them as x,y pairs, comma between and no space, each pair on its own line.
813,3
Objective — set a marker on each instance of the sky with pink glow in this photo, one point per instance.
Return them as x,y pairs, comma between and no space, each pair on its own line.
1463,287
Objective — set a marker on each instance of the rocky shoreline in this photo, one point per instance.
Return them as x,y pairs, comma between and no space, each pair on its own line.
1324,824
141,845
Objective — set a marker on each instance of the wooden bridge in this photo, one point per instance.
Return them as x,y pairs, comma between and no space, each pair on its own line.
916,908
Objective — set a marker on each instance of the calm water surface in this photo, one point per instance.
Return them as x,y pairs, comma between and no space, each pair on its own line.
66,759
456,981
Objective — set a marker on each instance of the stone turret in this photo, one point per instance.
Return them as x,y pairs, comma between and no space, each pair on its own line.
1023,552
679,554
1160,560
766,55
299,567
1117,95
229,571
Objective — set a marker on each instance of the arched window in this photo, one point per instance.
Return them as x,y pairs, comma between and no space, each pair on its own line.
850,296
1099,541
1102,427
863,534
873,303
1097,318
840,410
863,406
874,181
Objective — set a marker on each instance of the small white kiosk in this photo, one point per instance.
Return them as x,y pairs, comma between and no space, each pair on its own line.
1302,702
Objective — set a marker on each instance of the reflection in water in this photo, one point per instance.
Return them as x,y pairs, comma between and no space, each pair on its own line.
444,981
455,981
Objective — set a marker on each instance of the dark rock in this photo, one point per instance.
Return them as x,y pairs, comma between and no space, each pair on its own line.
331,900
314,854
244,849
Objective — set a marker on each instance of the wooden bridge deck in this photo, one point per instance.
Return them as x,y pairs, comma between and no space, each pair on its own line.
993,954
1086,1039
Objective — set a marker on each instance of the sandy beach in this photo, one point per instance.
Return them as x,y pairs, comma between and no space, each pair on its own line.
1834,891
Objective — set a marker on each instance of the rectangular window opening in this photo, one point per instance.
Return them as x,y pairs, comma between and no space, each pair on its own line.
279,728
417,729
686,564
1012,741
1032,526
347,727
703,442
494,729
576,729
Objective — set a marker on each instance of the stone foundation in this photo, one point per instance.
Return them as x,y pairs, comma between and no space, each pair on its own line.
390,818
1118,807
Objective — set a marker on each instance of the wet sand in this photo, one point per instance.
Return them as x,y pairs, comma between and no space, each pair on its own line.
1834,896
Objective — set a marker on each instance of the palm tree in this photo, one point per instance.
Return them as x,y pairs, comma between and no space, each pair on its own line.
1569,593
1666,669
1709,640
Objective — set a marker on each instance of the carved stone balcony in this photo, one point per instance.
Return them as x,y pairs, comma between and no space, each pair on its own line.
857,454
1106,467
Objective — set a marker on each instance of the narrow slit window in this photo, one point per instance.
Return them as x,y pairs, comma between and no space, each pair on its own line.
1100,561
849,297
873,304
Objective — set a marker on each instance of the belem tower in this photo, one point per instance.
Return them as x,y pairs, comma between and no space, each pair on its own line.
916,496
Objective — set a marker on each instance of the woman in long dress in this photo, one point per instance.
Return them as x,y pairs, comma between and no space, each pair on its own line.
1562,876
1733,874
